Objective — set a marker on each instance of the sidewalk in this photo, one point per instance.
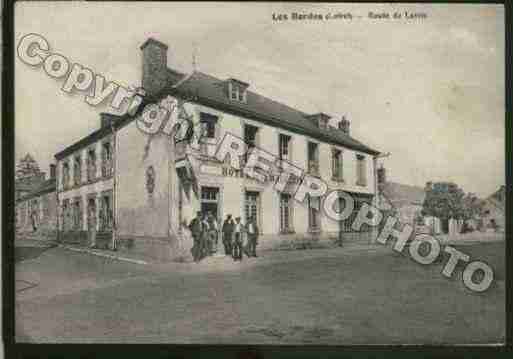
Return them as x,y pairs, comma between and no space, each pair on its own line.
472,238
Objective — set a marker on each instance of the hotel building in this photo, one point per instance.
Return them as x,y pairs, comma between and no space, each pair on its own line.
142,189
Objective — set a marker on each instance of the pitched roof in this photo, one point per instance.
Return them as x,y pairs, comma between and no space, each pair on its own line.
210,91
28,184
91,138
403,194
47,186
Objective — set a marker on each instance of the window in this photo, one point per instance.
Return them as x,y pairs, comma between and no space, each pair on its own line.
209,122
286,221
65,215
252,206
210,200
77,214
313,213
237,92
65,175
250,138
106,215
323,123
91,165
91,212
346,225
234,92
313,158
106,159
77,171
361,171
336,164
284,143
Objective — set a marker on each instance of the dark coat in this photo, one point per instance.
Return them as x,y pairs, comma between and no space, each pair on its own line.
195,226
228,226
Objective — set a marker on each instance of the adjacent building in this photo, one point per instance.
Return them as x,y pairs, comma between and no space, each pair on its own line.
140,190
405,202
36,210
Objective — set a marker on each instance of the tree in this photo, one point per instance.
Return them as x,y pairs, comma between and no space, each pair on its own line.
444,200
27,167
473,206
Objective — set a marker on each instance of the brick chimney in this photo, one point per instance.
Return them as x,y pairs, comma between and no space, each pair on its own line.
154,69
344,125
52,171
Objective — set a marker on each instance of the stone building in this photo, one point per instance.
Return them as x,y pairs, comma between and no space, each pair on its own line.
143,188
405,202
36,210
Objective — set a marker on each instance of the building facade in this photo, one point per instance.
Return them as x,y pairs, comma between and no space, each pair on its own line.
143,189
405,202
85,186
36,211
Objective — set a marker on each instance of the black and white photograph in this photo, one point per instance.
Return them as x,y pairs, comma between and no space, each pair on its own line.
259,173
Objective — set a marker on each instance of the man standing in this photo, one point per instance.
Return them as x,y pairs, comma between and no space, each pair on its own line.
252,230
228,227
196,230
33,218
212,233
237,240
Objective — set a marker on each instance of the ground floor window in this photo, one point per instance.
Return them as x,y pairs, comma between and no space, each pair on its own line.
252,206
313,213
66,215
210,200
346,225
106,215
286,220
77,214
91,213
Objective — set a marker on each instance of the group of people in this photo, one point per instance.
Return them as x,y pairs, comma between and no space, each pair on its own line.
237,238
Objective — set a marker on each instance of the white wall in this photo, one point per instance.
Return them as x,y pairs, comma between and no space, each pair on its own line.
233,188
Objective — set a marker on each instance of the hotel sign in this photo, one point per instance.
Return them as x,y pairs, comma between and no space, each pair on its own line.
227,171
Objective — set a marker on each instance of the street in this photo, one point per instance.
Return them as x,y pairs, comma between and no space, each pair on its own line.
324,296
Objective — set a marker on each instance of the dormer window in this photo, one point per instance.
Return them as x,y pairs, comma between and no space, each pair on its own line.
319,120
237,90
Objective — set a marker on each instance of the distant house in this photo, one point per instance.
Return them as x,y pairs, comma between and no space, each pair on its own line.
405,202
24,186
36,210
494,210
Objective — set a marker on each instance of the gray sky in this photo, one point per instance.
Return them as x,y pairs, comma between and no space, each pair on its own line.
430,91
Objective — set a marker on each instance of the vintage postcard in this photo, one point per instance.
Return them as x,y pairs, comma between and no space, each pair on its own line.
259,173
